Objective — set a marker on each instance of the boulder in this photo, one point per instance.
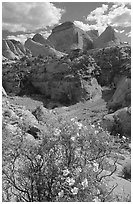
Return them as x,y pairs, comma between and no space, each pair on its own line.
122,95
67,36
118,122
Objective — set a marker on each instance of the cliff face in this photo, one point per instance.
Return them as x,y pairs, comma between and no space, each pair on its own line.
40,39
41,49
107,38
12,49
67,36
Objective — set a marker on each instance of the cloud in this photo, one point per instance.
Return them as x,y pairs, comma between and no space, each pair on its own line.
29,16
117,15
83,26
22,38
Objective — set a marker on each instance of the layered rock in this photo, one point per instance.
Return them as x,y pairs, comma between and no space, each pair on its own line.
12,49
42,49
107,38
6,52
67,36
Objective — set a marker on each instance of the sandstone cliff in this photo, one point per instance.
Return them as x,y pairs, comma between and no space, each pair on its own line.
67,36
107,38
40,39
42,49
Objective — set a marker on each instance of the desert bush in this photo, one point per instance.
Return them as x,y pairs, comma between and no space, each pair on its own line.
64,166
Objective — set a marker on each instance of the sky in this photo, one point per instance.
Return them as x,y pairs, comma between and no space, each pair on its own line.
21,20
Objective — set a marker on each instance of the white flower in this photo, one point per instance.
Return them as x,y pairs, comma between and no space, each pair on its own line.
95,169
96,131
98,191
74,191
78,134
96,199
70,181
61,193
85,183
93,126
57,132
124,137
72,119
73,138
66,172
80,125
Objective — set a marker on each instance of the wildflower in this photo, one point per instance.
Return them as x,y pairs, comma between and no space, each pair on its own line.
93,126
66,172
73,138
57,132
95,169
85,183
72,119
74,191
61,193
124,137
96,131
98,191
80,125
96,199
70,181
78,134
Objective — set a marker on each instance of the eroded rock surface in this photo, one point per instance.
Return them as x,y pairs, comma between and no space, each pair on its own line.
67,36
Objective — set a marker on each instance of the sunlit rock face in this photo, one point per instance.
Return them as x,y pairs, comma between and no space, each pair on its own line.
12,49
107,38
37,49
67,36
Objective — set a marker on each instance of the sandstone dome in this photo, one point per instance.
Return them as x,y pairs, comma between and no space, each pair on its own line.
66,36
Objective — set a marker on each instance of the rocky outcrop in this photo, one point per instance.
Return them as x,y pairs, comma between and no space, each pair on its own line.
118,122
12,49
65,81
67,37
107,38
113,62
6,52
41,49
93,34
122,95
40,39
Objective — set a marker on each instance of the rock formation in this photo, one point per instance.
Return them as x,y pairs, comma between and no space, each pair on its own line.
40,39
12,49
41,49
107,38
67,36
93,34
113,62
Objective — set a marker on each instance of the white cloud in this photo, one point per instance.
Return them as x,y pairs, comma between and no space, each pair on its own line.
22,38
46,34
118,15
82,25
29,16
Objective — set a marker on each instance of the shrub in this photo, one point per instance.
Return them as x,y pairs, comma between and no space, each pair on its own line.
64,166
